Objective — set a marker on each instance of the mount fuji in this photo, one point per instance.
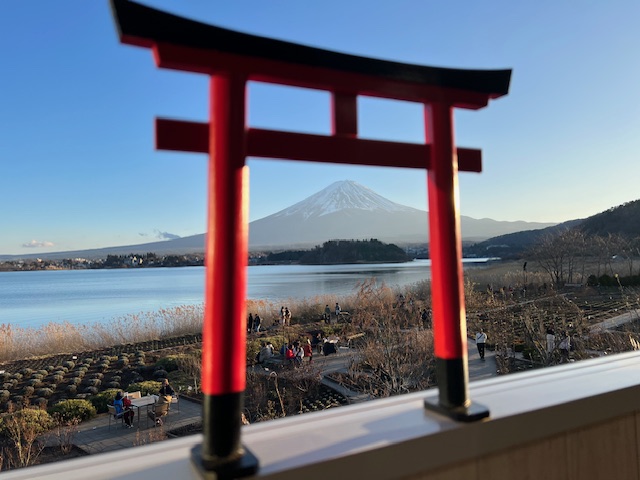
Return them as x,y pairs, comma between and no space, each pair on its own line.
348,210
344,210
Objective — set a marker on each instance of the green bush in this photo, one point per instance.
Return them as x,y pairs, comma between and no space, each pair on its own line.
28,390
68,364
38,421
253,348
90,390
122,362
44,392
170,363
149,387
67,410
92,382
104,398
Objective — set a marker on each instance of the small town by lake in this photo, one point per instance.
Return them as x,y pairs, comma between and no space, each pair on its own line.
34,298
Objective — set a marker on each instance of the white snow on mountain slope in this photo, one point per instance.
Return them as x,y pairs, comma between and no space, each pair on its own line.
342,195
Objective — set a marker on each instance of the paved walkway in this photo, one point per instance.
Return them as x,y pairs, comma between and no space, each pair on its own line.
481,369
615,322
95,436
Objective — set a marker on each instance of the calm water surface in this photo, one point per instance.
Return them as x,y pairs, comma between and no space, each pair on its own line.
30,299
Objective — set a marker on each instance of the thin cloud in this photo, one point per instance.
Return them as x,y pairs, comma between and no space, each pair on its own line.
166,235
37,244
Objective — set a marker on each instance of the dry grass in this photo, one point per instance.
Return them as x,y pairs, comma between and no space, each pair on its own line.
54,338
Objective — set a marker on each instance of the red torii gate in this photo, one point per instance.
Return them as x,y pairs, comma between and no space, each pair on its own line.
232,59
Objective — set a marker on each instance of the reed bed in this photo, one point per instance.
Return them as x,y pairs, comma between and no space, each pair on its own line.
18,343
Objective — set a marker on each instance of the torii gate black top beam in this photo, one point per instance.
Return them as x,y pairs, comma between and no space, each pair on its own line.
232,59
147,27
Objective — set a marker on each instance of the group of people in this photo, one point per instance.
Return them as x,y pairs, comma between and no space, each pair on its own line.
326,316
285,316
253,324
564,346
295,353
124,407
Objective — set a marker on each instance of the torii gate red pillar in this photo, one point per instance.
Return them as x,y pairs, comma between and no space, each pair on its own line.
231,59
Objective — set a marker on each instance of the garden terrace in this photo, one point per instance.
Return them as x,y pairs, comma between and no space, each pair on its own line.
578,421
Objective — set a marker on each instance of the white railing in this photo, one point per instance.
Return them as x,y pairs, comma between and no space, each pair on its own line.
575,421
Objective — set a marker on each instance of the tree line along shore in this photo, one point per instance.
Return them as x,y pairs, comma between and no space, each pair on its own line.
331,252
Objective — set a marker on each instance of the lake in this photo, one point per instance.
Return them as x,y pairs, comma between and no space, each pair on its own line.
31,299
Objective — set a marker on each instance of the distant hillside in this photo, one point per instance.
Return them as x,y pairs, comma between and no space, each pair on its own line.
513,245
623,220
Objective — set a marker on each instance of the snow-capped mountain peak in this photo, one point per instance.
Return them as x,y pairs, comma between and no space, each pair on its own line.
342,195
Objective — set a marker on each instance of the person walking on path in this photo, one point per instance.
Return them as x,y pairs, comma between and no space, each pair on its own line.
481,339
287,316
308,350
256,322
250,323
338,310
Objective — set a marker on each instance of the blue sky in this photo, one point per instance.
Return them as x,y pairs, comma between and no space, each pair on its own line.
78,167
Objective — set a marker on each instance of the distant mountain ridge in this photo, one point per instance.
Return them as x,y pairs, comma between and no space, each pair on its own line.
343,210
623,220
348,210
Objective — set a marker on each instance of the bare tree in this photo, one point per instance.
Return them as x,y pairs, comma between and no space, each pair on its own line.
561,255
393,358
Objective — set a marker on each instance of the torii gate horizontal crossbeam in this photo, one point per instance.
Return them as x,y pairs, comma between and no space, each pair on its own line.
193,137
